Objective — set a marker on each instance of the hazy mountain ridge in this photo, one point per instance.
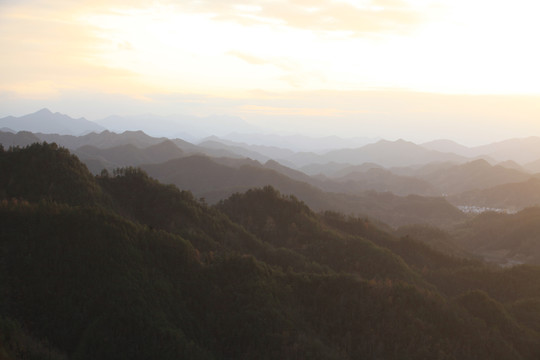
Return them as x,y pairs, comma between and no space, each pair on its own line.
533,166
133,148
185,126
213,180
202,175
400,167
110,143
508,196
383,180
287,148
216,145
511,164
477,174
21,138
295,143
129,155
522,151
45,121
385,153
449,146
104,139
392,153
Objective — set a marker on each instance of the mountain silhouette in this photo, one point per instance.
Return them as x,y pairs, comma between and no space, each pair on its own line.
44,121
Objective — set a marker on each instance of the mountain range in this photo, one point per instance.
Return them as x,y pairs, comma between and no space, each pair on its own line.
522,151
123,266
345,180
295,150
215,168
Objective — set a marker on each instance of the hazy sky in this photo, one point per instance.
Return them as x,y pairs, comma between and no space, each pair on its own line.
417,69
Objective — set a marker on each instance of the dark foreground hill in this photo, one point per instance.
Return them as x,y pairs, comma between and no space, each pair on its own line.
143,270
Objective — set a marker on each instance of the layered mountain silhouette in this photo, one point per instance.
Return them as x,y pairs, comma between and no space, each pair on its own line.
21,138
524,150
127,155
183,126
384,153
333,179
391,153
511,196
478,174
383,180
262,142
44,121
214,180
122,266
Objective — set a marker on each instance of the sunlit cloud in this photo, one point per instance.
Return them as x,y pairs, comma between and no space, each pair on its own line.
250,59
293,73
361,17
273,45
277,60
50,51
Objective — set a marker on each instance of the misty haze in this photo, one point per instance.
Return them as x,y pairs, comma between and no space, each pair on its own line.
269,180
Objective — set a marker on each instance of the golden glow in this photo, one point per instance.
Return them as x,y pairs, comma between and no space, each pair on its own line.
462,47
245,50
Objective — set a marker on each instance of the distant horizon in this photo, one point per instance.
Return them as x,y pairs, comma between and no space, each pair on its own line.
421,118
252,131
413,69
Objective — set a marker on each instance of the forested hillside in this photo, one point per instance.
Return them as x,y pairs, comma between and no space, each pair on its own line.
505,238
120,266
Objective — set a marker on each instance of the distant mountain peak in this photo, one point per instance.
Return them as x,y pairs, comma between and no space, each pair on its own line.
44,111
396,142
478,162
134,132
441,141
45,122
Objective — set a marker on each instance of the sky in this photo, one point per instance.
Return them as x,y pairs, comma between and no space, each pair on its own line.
465,70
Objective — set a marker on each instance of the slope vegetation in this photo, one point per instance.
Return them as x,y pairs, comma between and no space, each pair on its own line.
123,267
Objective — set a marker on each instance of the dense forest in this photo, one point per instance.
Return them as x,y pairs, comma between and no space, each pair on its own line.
121,266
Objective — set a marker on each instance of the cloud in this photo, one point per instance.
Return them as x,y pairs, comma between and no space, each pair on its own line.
125,45
375,16
293,74
282,63
250,59
48,49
